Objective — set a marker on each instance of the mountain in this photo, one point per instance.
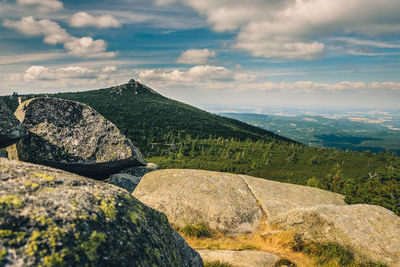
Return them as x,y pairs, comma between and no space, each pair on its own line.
150,119
321,131
175,135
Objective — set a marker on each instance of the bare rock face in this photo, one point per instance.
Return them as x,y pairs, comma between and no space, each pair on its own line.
11,129
74,137
240,258
276,197
125,181
140,171
221,200
49,217
372,232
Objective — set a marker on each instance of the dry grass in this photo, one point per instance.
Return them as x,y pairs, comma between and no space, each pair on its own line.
279,243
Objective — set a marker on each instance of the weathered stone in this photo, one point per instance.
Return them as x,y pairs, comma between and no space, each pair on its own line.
221,200
276,197
140,171
50,217
74,137
372,232
11,129
125,181
240,258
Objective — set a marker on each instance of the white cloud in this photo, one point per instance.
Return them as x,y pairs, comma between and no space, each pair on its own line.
51,31
62,76
196,56
54,34
83,19
204,73
108,69
293,29
42,5
87,47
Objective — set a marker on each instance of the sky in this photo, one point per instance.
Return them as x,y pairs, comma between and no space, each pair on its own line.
284,53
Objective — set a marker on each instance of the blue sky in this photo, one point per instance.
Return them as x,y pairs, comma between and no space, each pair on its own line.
294,53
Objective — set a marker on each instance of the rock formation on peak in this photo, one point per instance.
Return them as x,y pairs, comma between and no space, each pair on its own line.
51,217
74,137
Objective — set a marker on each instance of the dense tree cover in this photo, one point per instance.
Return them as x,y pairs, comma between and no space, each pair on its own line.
176,135
362,177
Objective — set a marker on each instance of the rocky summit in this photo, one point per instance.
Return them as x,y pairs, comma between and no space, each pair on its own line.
72,136
11,129
50,217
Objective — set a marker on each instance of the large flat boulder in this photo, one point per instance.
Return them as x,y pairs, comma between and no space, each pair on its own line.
49,217
11,129
240,258
372,232
221,200
74,137
276,197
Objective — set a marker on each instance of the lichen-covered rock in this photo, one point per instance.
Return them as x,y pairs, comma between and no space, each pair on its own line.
240,258
140,171
372,232
11,129
74,137
49,217
221,200
276,197
125,181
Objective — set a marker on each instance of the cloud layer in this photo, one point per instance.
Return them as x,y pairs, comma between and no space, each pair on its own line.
64,76
53,34
293,29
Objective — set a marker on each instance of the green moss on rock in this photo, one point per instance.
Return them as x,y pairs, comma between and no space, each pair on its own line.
81,222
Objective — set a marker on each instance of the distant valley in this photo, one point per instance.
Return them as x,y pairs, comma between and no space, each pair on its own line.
359,132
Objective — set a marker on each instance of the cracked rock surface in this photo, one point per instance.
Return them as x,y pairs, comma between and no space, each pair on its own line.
74,137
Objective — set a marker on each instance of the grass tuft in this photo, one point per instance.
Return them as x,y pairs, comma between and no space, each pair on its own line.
200,230
216,264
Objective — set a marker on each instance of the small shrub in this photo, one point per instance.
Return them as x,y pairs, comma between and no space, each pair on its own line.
327,252
216,264
200,230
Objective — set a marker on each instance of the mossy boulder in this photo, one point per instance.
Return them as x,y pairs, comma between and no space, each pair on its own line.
189,197
74,137
372,233
50,217
11,129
